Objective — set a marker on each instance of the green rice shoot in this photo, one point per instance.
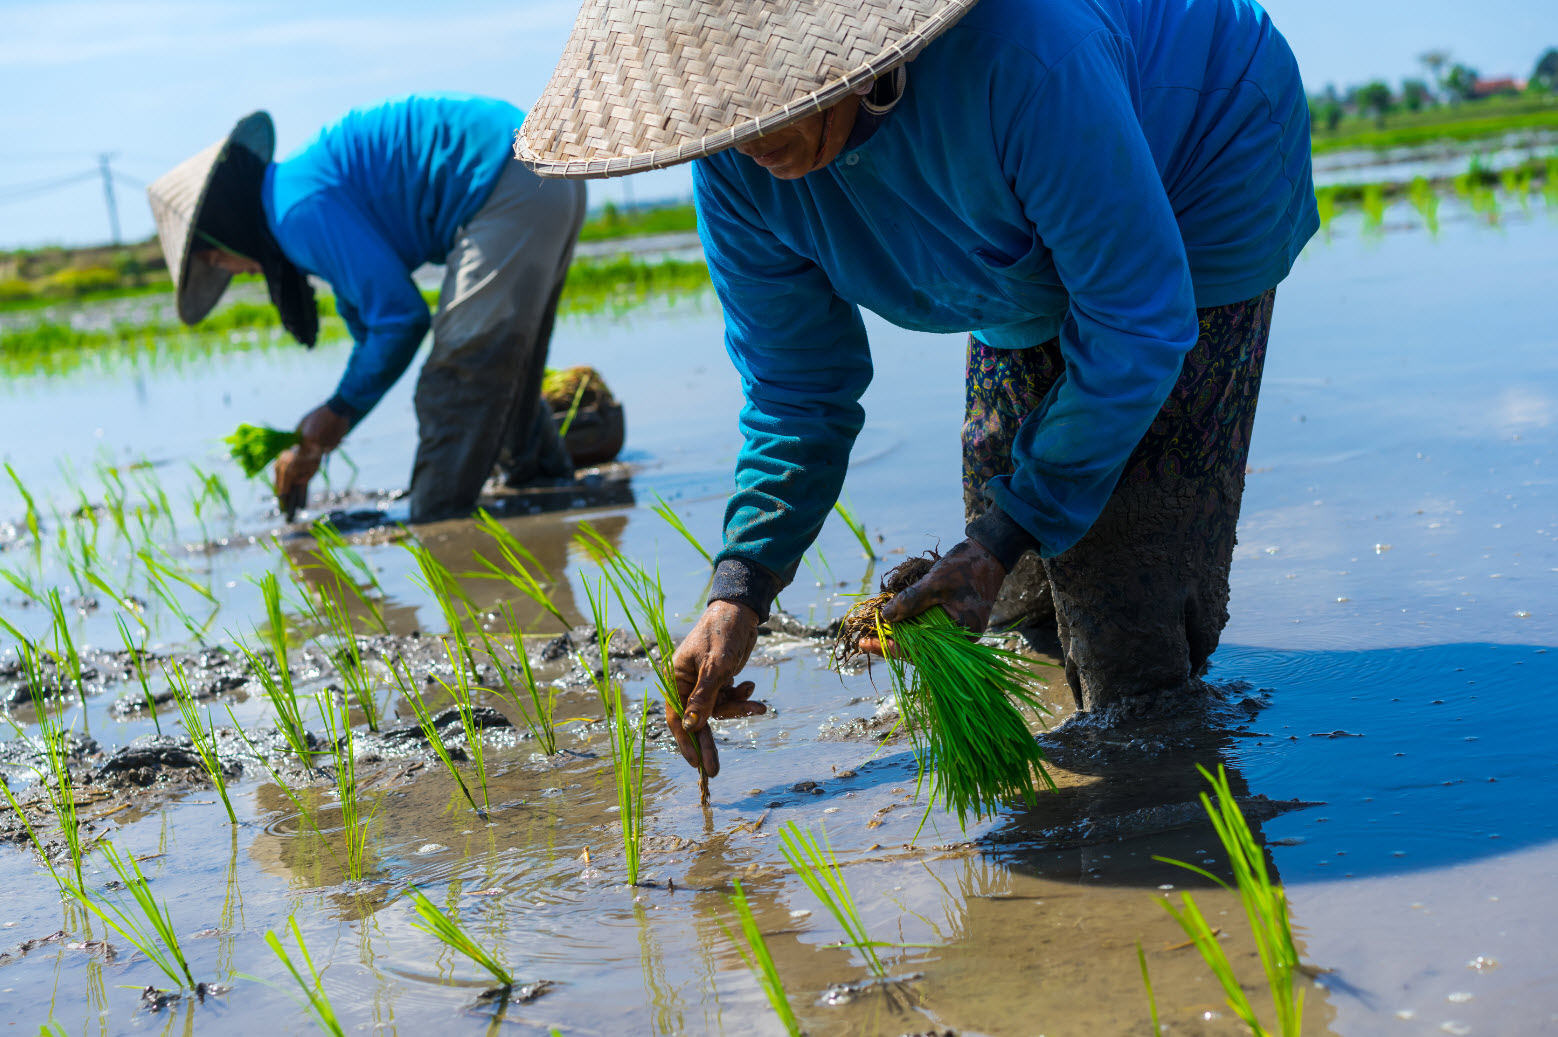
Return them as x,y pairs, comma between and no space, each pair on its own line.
435,740
962,702
201,735
1265,906
436,923
674,520
856,527
148,925
538,715
313,988
626,741
254,447
754,953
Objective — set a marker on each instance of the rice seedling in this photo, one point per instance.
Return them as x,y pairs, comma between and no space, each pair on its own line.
32,507
1325,202
338,558
201,735
460,693
278,687
136,654
156,497
1146,979
754,953
436,578
437,924
254,447
962,701
1373,206
816,866
1426,201
519,562
317,1002
625,741
65,655
856,527
674,520
53,736
159,578
147,925
538,715
355,825
347,655
435,740
1265,905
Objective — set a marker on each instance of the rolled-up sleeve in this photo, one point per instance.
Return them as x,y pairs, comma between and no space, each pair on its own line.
1077,159
804,362
383,310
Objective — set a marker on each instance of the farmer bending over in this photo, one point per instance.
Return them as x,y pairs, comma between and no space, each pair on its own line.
1103,192
422,179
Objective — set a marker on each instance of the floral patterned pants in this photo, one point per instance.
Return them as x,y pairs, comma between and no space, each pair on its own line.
1142,598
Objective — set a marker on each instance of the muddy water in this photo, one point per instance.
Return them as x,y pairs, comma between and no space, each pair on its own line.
1393,645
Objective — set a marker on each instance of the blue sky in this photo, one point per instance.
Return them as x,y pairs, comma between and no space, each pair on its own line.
155,82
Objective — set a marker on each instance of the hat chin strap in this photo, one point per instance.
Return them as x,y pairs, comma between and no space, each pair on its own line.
822,145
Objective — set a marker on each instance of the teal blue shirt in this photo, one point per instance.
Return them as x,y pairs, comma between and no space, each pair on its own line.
1092,169
373,197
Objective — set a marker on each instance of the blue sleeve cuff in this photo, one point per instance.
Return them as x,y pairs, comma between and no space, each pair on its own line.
342,409
999,533
746,583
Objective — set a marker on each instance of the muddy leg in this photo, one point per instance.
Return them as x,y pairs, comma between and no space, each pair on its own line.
1142,599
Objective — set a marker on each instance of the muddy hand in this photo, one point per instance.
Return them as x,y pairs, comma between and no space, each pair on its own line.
706,665
322,430
965,582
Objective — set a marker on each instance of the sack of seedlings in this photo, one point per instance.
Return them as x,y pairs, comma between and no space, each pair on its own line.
588,416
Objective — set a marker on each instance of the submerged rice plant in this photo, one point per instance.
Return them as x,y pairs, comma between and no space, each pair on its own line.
674,520
1426,201
1265,905
754,953
336,713
278,687
625,740
814,862
460,692
201,735
339,559
313,988
55,777
146,924
518,565
347,655
538,714
436,923
435,740
856,527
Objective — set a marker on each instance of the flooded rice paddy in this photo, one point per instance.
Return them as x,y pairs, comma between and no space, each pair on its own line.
1384,710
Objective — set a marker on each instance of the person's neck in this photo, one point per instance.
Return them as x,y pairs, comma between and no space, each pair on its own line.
837,123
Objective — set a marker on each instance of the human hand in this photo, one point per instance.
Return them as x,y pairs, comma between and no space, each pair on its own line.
964,581
322,430
706,664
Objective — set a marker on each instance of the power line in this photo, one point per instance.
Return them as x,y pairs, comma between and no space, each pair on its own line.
103,166
19,192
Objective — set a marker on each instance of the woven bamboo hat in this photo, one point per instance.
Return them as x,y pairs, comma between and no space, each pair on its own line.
176,199
649,83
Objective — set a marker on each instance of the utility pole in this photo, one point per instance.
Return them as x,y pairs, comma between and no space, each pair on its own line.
108,192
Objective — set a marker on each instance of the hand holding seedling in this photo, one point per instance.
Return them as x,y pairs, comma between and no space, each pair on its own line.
964,581
322,430
706,664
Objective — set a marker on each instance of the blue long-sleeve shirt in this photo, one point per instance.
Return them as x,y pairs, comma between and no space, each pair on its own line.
373,197
1093,169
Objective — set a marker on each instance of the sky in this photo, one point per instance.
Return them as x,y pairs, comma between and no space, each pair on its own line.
152,83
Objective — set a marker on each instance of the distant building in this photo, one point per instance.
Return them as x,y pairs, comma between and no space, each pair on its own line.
1496,86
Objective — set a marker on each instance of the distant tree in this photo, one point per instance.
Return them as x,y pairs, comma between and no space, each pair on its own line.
1461,82
1545,75
1435,61
1333,116
1415,94
1375,97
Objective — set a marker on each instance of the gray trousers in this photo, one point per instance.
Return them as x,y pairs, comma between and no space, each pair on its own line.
478,399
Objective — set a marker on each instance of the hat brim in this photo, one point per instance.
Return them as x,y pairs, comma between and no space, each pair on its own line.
177,199
619,89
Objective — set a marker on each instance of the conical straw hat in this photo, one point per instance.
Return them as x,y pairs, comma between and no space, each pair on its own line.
176,198
650,83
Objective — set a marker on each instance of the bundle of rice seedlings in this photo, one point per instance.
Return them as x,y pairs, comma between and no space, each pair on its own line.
254,447
961,700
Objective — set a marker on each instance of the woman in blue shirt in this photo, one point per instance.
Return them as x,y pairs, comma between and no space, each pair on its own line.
1104,193
420,179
